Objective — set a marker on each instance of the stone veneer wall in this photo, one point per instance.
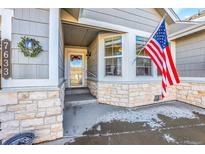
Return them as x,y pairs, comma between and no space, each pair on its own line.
38,111
132,94
92,85
138,94
192,93
128,94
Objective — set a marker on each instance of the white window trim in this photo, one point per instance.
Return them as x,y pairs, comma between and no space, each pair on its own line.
107,57
116,56
101,58
128,59
54,19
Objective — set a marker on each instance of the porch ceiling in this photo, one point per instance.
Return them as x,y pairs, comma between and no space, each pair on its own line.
76,34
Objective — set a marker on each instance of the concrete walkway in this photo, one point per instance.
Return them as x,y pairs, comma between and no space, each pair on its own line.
165,123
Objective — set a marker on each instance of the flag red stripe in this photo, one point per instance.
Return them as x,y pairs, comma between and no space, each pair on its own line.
172,64
156,54
164,85
169,77
160,52
157,47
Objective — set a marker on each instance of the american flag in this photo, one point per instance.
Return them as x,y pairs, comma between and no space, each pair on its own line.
158,49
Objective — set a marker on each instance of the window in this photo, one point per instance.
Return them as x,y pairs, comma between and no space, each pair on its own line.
143,61
113,56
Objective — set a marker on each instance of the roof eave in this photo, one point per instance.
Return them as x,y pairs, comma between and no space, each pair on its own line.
77,12
187,31
172,14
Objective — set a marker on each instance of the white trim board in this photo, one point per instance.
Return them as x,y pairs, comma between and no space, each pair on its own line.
6,23
172,14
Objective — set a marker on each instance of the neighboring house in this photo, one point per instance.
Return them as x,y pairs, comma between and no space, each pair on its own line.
200,16
94,48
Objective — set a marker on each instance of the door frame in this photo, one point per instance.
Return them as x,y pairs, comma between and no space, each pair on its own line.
77,51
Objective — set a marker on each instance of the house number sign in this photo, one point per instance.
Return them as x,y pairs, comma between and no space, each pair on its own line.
6,58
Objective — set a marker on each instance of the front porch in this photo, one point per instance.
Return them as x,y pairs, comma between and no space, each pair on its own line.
83,54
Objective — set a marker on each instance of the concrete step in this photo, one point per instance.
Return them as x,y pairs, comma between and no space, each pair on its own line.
73,91
79,103
79,99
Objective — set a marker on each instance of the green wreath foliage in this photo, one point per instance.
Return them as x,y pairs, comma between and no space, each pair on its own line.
34,51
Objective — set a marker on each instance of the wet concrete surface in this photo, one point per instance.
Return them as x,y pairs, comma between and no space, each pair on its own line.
165,123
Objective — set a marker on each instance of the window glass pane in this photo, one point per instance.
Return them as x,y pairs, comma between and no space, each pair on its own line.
143,61
113,66
117,46
144,67
76,61
113,46
143,71
140,42
108,51
108,47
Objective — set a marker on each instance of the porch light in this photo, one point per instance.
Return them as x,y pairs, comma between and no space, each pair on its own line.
88,53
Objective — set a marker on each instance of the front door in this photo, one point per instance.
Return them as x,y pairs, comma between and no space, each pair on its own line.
76,70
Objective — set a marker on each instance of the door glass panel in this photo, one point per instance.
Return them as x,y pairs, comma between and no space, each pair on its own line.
76,70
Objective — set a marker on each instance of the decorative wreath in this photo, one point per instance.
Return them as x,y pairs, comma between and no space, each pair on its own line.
30,47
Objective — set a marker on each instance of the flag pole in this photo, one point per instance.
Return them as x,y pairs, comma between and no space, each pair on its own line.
151,35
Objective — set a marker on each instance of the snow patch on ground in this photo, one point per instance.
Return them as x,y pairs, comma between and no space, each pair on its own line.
84,118
169,139
70,140
150,115
192,142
